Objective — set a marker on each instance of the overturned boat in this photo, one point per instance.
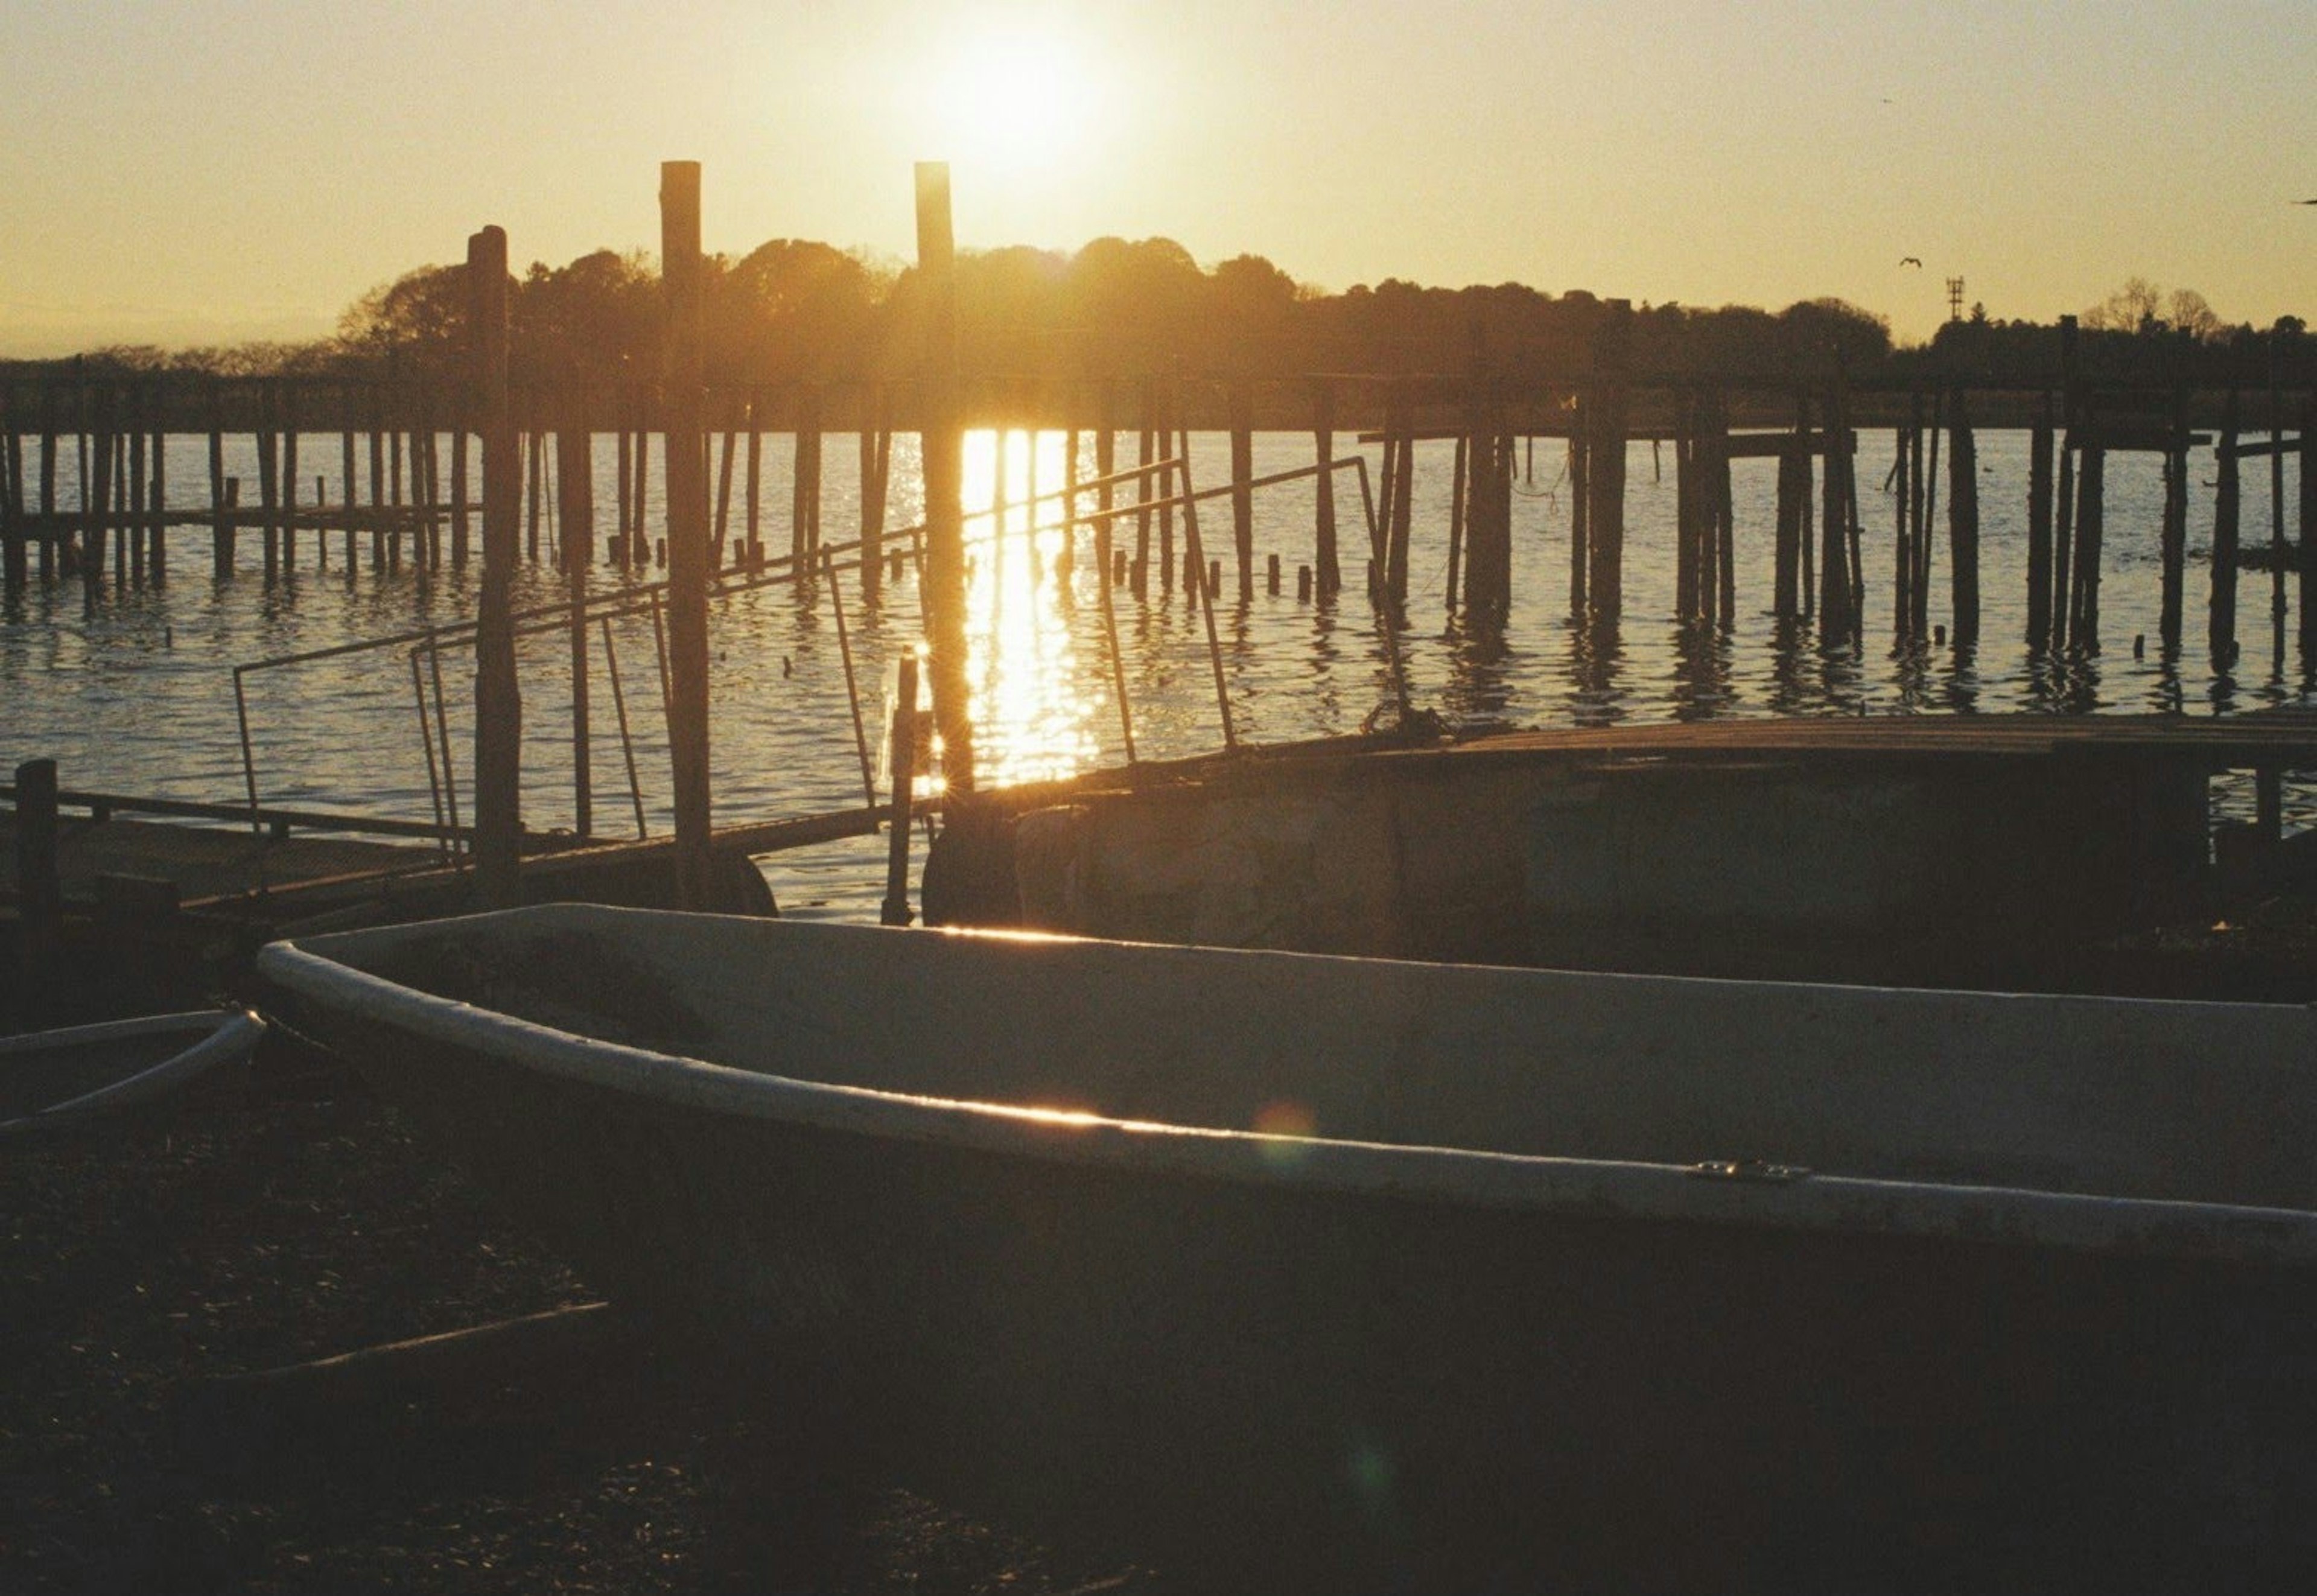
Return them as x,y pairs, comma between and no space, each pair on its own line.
1422,1275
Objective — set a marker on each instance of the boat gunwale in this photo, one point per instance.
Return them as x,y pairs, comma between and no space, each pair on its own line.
1601,1189
224,1033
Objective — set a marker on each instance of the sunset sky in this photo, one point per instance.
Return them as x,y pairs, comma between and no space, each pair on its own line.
199,171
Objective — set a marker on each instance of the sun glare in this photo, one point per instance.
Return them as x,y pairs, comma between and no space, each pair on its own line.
1016,101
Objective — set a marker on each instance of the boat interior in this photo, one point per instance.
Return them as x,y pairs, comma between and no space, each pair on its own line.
2202,1102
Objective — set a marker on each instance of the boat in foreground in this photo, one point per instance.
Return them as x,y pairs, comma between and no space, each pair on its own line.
1367,1272
58,1079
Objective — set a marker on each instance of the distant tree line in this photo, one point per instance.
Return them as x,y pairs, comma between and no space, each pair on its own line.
794,310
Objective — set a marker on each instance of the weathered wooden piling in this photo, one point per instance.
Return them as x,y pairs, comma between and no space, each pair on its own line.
1962,523
13,565
1241,403
1720,505
1146,486
1604,433
942,450
2063,542
2308,550
287,508
47,555
804,508
2220,636
2039,532
1459,497
682,282
1841,592
2091,519
159,534
96,500
2173,538
1793,499
498,697
575,489
1580,462
1329,572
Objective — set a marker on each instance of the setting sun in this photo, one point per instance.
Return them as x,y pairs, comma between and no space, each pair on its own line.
1014,101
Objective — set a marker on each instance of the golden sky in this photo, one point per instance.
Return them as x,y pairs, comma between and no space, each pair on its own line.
194,171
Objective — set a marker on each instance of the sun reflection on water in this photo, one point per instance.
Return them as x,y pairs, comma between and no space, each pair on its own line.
1034,705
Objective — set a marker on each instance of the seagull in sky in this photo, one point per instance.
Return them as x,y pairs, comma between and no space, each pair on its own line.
1915,260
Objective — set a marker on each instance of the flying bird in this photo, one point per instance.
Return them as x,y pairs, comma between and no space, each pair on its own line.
1915,260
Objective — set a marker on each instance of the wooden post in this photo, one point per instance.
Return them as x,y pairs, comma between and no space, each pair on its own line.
2173,540
2309,531
377,485
499,700
1794,496
1241,401
1686,542
1143,490
138,483
804,482
1169,484
681,277
268,489
1962,523
157,532
1459,502
1906,508
2063,542
2063,531
720,524
626,491
1580,507
640,538
1604,522
1400,521
222,529
287,508
2039,532
2222,632
40,895
346,484
1329,573
2091,492
896,908
575,488
1106,460
12,506
2276,545
941,448
461,529
96,499
1839,594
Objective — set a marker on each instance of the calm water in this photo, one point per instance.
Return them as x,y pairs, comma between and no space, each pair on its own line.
137,697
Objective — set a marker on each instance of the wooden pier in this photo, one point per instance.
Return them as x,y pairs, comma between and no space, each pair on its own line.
487,460
118,899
